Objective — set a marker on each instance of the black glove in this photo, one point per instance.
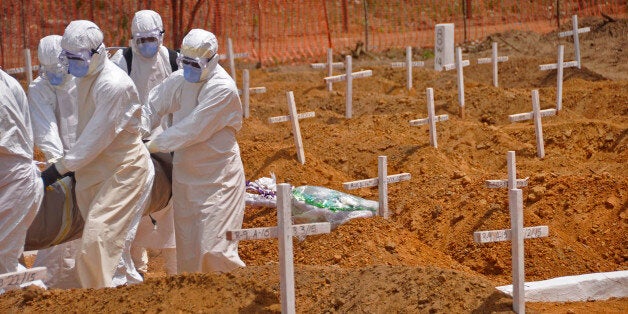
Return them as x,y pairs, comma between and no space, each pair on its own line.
50,175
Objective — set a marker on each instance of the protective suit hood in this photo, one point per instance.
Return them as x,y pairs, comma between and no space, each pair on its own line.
49,50
85,35
199,43
145,21
48,53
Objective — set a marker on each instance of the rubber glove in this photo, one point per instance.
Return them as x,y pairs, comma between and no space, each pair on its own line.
152,148
54,173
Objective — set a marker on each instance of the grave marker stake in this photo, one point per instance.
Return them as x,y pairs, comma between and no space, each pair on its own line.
494,60
517,233
431,118
349,76
559,66
330,65
559,78
296,130
349,93
459,65
284,232
408,64
443,45
232,56
247,90
535,115
381,182
574,33
13,280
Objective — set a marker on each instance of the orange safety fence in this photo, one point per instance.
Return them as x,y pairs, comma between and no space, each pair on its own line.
281,31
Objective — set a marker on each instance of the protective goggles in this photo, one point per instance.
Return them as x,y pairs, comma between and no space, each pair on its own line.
200,63
54,69
84,55
148,37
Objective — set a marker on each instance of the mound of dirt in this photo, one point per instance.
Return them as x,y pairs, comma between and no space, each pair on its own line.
423,258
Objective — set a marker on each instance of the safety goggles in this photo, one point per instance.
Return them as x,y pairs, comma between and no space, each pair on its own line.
200,63
153,36
84,55
54,69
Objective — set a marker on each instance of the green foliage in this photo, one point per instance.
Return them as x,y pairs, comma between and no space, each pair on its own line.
427,54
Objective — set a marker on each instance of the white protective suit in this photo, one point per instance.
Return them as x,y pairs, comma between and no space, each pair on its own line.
147,73
21,188
54,111
112,168
208,177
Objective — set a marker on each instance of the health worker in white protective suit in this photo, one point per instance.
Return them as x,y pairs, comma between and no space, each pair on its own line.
148,63
21,188
113,170
53,110
208,177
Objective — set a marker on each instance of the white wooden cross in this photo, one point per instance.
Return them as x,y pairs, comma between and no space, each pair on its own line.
458,65
574,33
516,234
13,280
232,56
247,90
284,231
296,130
381,182
536,115
330,65
349,76
431,117
494,59
559,66
409,64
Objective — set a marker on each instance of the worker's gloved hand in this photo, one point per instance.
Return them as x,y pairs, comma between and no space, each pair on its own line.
50,175
151,147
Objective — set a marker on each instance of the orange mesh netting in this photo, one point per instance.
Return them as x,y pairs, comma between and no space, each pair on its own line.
278,32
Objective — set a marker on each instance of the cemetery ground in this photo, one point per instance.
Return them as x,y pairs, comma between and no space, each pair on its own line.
423,258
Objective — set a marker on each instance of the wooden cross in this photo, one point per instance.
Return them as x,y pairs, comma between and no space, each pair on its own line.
431,117
247,90
330,65
535,115
232,56
13,280
284,231
409,64
494,59
559,66
381,182
574,33
458,65
349,76
516,234
296,130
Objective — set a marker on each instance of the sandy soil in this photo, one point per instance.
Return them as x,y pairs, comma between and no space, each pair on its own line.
423,258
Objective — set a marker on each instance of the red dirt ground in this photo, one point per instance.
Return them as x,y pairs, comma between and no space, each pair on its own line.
423,258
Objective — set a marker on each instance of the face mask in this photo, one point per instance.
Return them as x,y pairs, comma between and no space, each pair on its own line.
148,49
192,74
78,68
77,62
55,78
